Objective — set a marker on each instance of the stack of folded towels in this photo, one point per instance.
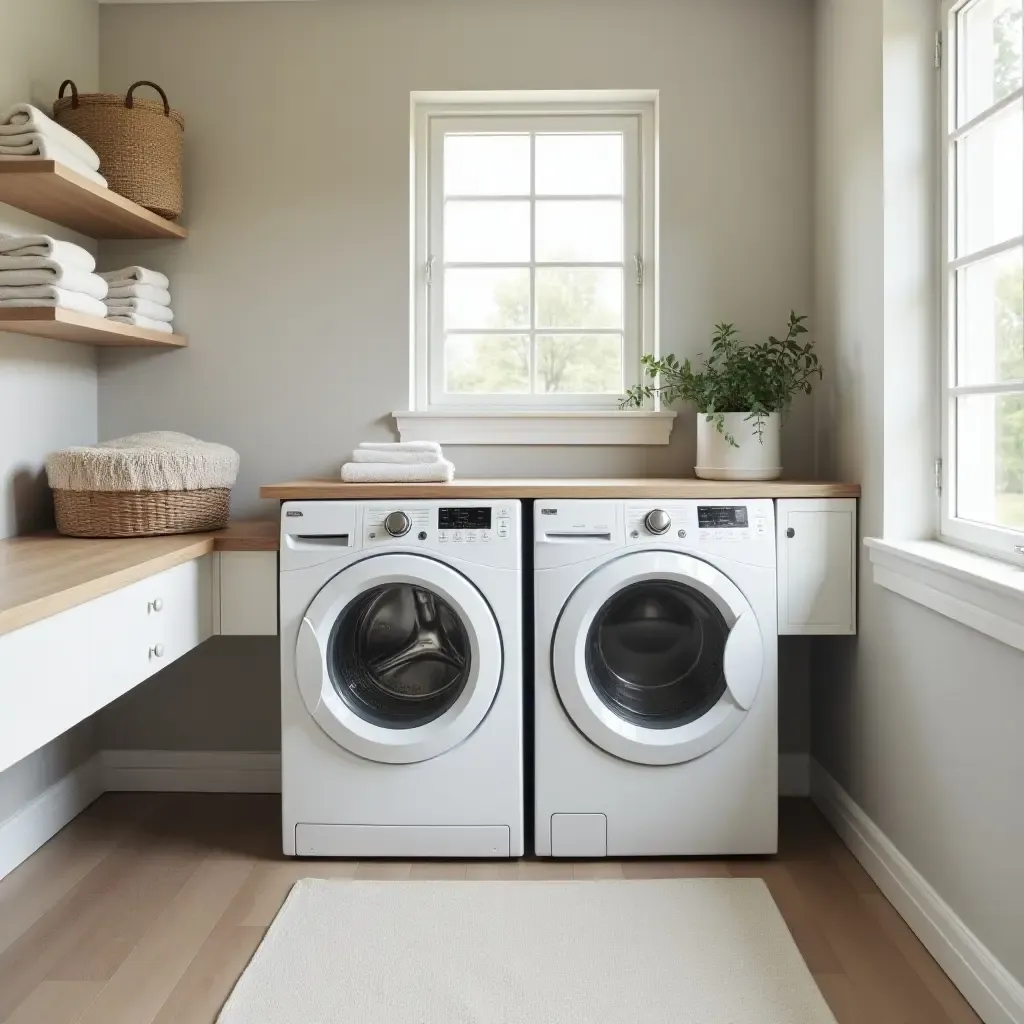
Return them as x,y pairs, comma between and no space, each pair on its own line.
139,297
27,133
37,270
398,462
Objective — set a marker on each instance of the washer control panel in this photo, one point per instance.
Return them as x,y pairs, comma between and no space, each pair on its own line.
459,525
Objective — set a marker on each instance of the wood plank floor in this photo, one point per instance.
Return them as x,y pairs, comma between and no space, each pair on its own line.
147,907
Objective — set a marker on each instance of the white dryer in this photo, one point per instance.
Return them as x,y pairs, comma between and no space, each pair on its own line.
656,678
401,679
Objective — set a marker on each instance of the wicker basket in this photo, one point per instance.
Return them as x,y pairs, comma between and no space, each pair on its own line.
140,513
138,143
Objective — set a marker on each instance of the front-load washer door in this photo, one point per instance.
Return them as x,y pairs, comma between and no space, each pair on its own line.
657,657
398,658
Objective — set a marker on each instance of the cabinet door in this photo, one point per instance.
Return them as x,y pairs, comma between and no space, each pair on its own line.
817,546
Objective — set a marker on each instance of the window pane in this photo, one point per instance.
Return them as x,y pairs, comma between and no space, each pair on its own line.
990,182
990,48
583,297
990,308
584,231
492,297
579,364
487,364
487,232
579,165
486,165
990,459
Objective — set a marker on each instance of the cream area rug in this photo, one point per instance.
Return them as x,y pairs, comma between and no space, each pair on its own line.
679,951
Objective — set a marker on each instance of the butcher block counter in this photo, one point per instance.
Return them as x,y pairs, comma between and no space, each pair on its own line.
675,487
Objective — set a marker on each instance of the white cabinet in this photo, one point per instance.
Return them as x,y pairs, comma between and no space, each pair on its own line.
56,672
246,593
816,540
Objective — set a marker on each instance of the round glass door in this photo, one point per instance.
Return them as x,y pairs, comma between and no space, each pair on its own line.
655,653
398,658
399,655
656,657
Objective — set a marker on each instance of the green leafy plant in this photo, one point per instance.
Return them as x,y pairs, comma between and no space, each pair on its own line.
757,379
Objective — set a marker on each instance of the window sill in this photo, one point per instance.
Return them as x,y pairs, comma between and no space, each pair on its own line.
983,593
528,427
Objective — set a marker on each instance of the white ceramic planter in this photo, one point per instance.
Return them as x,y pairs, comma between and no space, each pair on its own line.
754,459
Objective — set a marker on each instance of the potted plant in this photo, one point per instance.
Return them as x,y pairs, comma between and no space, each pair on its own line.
740,392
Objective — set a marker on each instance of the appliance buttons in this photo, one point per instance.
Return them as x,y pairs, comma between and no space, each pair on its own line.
485,535
457,536
471,536
422,535
442,536
502,527
658,521
503,512
397,524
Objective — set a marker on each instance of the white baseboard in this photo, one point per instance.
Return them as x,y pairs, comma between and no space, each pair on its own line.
988,986
41,819
191,771
794,774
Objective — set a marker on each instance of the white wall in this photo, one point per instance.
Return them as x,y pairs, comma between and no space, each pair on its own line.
47,389
918,718
294,282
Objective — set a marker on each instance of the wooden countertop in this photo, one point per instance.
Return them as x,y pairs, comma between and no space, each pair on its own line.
562,488
43,574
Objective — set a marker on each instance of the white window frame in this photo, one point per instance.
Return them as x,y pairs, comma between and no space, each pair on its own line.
546,418
1000,542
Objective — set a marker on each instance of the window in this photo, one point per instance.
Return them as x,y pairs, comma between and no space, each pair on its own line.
983,279
533,266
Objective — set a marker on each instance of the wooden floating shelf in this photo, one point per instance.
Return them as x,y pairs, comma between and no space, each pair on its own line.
66,325
55,192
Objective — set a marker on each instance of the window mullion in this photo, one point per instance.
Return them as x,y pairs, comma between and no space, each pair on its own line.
533,263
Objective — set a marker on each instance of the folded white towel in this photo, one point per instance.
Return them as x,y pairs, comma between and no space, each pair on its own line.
23,117
441,471
20,270
38,147
50,297
161,296
135,275
153,310
142,321
395,458
68,253
401,446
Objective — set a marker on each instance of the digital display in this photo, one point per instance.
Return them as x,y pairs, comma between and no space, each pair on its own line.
463,518
722,517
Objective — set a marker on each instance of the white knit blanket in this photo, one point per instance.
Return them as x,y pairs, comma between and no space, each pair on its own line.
160,460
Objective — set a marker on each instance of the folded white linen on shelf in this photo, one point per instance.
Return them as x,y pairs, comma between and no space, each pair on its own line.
23,270
142,321
153,310
34,146
401,446
161,296
441,471
50,297
23,118
68,253
135,275
364,455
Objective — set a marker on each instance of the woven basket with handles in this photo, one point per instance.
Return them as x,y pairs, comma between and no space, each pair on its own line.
138,142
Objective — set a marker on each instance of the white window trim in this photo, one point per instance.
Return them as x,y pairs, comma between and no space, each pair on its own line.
509,420
999,542
983,593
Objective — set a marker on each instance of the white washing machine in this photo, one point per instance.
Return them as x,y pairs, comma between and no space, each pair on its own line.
656,678
401,679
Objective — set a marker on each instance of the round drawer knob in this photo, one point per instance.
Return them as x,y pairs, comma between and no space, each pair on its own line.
791,532
657,521
397,524
157,605
157,652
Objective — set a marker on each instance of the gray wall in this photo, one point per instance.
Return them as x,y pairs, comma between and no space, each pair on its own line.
919,717
47,389
294,282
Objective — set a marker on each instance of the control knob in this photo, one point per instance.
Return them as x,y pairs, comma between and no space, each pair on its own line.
397,524
657,521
